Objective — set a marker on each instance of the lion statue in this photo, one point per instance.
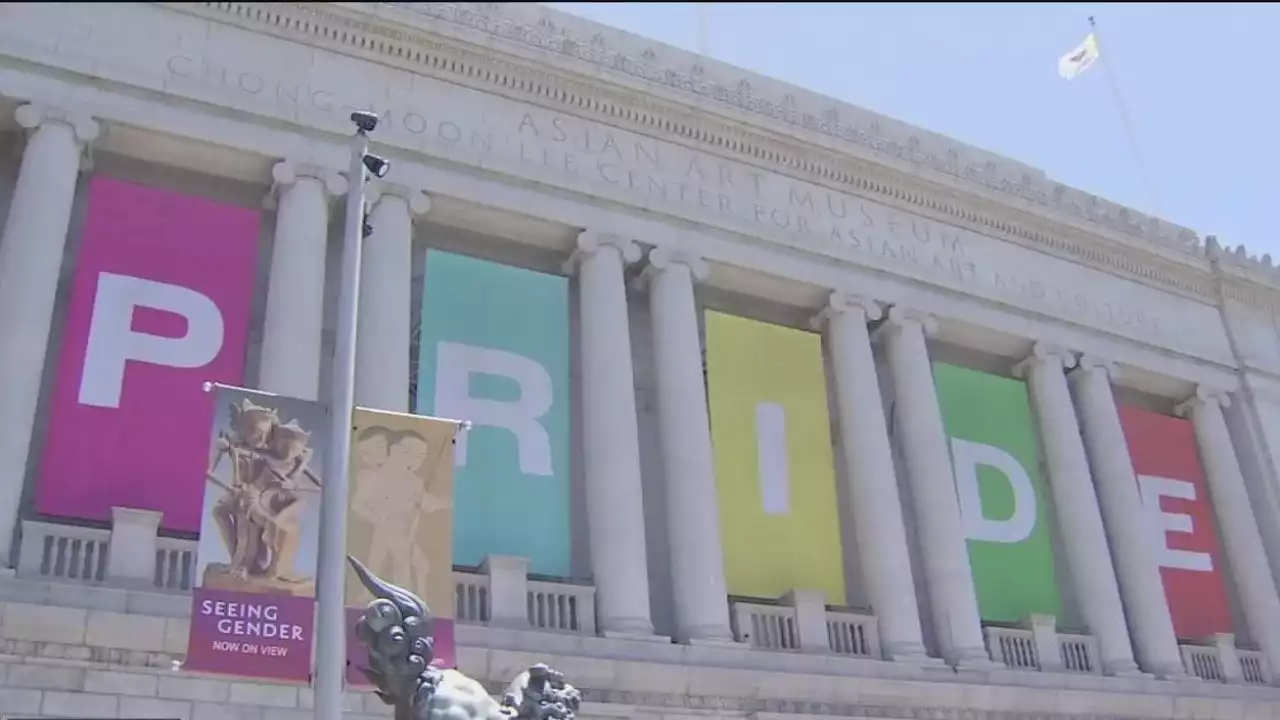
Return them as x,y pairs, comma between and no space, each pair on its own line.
398,630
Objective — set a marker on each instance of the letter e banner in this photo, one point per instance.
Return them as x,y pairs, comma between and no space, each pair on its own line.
1179,513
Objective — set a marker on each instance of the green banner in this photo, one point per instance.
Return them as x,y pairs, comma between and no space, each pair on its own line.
1004,499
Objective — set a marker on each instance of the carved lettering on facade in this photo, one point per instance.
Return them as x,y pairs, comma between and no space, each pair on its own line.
477,128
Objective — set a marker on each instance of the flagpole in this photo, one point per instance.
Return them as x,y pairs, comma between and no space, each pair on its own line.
700,15
1143,175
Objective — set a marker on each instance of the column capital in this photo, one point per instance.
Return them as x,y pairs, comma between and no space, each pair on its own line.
1204,395
591,240
900,317
1044,352
1096,363
418,201
287,172
32,115
841,302
661,258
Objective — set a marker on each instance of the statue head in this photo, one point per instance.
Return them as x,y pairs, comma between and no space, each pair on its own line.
252,423
398,630
289,440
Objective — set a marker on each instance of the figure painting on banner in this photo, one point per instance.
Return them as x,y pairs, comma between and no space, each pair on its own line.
400,518
255,566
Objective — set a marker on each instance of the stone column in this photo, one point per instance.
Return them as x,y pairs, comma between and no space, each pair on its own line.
948,574
386,283
31,249
1125,520
874,503
292,332
1240,536
610,439
693,513
1077,505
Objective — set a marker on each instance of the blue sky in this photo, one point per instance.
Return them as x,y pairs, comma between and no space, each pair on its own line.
1201,83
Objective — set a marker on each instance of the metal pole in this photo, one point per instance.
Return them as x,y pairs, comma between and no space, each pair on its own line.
331,630
1143,176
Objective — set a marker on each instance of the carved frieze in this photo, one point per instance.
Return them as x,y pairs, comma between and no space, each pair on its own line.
351,30
550,31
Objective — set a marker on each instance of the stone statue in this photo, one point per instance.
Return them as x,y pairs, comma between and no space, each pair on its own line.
398,630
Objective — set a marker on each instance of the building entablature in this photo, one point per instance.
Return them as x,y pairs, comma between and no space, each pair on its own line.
1029,209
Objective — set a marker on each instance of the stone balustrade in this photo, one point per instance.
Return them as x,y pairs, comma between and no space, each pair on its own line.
800,621
1218,659
131,555
501,594
1036,644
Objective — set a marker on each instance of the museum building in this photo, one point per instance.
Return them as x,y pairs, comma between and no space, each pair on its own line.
781,409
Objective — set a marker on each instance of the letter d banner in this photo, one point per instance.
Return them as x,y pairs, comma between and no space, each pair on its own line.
1004,500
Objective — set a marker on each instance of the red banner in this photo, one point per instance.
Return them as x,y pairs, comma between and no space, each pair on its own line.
1176,496
160,305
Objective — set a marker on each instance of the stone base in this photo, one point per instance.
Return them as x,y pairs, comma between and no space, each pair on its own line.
217,577
918,660
715,643
975,660
636,637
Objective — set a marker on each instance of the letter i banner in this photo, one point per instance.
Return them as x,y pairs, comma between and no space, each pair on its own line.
1004,499
400,521
253,606
775,476
1181,520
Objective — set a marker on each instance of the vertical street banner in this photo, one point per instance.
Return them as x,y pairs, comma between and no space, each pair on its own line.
253,608
775,472
160,304
1181,520
494,350
400,520
1004,497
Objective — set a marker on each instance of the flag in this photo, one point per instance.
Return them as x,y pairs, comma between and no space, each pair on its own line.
1079,59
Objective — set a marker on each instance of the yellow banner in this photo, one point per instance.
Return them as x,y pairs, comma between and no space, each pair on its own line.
774,467
400,517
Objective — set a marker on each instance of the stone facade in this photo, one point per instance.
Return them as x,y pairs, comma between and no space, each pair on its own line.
664,184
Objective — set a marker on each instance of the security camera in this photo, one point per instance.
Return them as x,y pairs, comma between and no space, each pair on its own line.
365,121
376,166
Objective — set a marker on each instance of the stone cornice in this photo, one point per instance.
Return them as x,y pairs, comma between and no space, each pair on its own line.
396,42
802,111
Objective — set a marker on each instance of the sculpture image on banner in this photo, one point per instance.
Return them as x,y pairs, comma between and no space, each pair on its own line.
1004,497
1175,493
494,349
252,609
400,519
160,303
775,472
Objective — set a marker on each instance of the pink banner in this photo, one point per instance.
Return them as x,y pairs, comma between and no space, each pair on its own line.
251,635
160,304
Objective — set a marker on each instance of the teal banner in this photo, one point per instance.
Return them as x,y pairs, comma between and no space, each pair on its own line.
494,350
1004,499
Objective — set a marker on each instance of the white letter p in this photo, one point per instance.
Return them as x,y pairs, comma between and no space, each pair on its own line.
113,342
